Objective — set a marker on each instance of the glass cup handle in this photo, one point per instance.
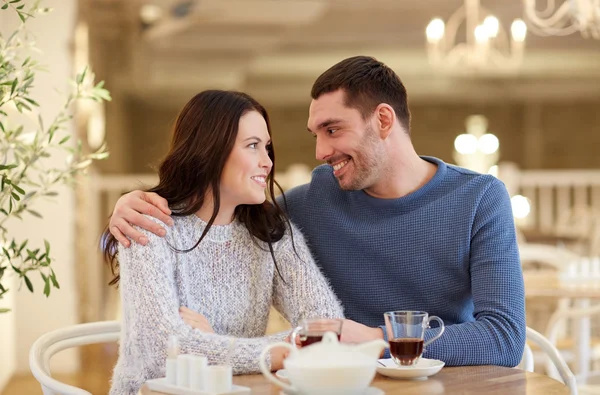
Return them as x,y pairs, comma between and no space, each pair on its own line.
441,328
294,336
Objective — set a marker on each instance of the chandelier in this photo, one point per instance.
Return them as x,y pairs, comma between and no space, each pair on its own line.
486,45
570,17
477,149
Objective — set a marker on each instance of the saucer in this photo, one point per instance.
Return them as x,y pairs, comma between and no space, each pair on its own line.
424,368
368,391
161,385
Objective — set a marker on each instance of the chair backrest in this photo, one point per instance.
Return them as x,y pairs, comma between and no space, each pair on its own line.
552,352
557,258
50,343
528,361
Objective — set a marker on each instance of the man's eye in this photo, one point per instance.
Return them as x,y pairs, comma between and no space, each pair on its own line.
331,131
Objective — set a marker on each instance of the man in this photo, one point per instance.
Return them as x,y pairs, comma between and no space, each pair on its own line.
395,231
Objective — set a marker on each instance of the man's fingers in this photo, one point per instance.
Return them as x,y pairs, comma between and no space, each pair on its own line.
129,231
119,236
134,217
158,202
153,211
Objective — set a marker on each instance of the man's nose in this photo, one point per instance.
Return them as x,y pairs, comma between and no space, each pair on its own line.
323,150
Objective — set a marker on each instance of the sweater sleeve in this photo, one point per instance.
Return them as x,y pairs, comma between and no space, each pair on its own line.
150,305
303,292
497,336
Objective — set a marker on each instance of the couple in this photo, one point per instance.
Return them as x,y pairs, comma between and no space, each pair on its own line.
389,230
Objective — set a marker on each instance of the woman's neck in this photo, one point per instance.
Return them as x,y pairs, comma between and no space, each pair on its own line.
224,216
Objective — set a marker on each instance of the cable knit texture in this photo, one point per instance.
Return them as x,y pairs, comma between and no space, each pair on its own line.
448,248
229,278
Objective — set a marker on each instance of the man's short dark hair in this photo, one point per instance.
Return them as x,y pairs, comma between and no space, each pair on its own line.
366,83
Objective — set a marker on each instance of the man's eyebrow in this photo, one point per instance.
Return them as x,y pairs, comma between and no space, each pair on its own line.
326,123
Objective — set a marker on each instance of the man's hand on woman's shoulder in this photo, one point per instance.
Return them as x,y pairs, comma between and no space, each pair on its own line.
130,210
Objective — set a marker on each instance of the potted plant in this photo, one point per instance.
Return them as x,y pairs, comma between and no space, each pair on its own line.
26,143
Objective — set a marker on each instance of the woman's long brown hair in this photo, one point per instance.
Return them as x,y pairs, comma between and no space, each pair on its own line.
203,137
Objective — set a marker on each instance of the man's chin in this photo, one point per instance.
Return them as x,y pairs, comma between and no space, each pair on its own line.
346,185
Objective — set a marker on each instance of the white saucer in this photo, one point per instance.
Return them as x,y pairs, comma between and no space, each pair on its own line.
161,385
368,391
424,368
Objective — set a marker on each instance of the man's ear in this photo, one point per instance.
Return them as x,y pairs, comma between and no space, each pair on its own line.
385,117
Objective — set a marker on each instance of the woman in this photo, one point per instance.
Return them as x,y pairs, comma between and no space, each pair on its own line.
229,255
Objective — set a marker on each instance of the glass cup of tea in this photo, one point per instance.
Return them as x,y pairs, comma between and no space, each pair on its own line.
406,333
312,330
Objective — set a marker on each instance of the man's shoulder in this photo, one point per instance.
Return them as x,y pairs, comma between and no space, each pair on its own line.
321,178
477,182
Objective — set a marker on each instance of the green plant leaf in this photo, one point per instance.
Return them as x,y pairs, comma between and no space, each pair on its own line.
47,246
23,245
18,189
34,213
5,6
28,283
4,310
47,288
16,269
32,101
54,281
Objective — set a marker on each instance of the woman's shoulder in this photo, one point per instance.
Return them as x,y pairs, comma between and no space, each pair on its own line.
182,225
291,236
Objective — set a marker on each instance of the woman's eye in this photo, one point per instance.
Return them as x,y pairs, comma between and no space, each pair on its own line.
253,145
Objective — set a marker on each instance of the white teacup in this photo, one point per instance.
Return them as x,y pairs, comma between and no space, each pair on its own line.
328,367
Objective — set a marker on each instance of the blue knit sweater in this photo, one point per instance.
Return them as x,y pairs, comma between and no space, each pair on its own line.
448,248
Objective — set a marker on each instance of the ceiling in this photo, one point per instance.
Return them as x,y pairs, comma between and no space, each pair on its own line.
276,48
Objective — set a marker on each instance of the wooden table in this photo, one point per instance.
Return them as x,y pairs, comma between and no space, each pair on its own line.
546,283
493,380
550,238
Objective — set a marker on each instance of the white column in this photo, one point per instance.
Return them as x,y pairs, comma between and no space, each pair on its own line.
34,314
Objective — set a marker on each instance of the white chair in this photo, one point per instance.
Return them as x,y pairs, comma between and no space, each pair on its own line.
51,343
584,352
547,255
527,362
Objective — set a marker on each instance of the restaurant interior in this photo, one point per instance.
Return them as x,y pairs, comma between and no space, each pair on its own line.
507,88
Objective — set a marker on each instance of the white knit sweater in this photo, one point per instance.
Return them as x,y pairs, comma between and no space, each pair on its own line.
229,279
